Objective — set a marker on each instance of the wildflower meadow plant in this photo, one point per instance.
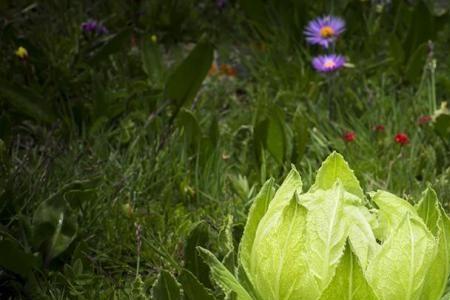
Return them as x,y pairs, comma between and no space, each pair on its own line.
22,53
401,138
94,27
349,136
324,31
330,243
328,63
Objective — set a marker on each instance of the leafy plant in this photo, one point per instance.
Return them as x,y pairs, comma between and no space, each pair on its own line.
332,243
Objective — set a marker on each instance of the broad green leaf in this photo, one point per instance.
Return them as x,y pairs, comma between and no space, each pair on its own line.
276,138
222,276
291,185
183,84
428,210
414,67
399,269
301,135
192,288
15,259
361,236
257,211
53,227
199,236
244,280
349,282
191,128
326,233
334,168
270,133
438,223
279,265
441,125
151,60
392,210
166,287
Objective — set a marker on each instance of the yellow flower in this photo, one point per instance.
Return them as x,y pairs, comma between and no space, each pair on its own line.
154,38
22,53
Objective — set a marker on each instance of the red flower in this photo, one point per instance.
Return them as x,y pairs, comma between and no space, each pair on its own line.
379,128
401,138
349,136
424,120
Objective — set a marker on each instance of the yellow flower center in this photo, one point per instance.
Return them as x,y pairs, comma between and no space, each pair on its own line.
329,63
326,32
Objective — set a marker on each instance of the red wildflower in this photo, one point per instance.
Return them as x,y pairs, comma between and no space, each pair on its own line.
424,119
228,70
349,136
401,138
379,128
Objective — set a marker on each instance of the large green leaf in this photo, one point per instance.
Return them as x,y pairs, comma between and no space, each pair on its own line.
183,84
199,236
349,282
361,237
441,125
438,223
392,211
291,185
416,62
222,276
166,287
399,269
257,211
326,232
428,210
270,133
191,128
301,135
279,266
53,227
192,288
15,259
334,168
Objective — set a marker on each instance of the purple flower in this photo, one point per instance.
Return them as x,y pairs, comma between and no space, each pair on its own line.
324,31
328,63
92,26
221,3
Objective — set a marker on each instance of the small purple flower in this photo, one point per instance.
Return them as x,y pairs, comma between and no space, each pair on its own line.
328,63
221,3
92,26
324,31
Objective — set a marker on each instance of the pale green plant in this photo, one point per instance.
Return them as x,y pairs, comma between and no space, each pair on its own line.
333,243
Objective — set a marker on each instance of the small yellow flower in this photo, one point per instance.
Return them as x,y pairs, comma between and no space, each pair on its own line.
154,38
22,53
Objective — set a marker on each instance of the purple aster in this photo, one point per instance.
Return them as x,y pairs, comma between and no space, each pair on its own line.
324,31
328,63
92,26
221,3
89,26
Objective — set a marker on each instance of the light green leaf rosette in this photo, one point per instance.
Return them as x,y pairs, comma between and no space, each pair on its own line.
332,243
